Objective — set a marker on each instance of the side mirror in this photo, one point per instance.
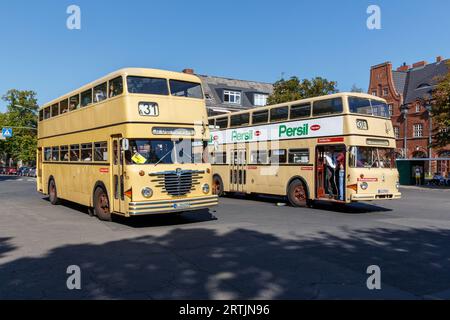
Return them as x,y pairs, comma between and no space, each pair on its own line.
125,144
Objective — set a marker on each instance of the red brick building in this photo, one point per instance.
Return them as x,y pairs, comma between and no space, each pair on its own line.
408,88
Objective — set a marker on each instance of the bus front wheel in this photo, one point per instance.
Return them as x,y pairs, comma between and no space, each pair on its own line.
101,205
217,186
52,192
298,194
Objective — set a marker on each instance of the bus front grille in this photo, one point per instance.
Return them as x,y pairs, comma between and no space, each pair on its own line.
178,182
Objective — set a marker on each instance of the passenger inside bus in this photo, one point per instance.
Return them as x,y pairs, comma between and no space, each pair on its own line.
334,162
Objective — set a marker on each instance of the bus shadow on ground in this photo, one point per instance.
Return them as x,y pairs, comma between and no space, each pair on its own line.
353,208
202,263
148,221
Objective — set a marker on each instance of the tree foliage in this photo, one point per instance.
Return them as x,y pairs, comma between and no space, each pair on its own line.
441,111
21,113
296,89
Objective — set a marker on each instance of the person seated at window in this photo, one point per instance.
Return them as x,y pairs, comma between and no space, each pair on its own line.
89,157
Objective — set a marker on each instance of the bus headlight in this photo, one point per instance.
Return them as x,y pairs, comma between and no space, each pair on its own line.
147,192
397,185
364,185
205,188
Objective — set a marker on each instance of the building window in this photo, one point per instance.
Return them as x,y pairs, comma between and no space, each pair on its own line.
397,132
418,130
391,110
260,100
374,92
417,107
233,97
385,92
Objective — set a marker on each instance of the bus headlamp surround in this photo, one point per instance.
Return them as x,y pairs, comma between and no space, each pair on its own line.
205,188
364,185
147,192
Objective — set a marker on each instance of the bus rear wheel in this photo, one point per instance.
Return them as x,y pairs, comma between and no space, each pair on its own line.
297,194
217,186
101,205
53,192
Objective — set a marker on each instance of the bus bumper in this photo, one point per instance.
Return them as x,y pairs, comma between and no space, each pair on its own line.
170,206
372,197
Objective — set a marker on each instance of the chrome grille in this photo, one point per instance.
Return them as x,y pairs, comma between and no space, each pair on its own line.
178,182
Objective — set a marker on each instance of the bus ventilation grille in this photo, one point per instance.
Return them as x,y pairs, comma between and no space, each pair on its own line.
179,182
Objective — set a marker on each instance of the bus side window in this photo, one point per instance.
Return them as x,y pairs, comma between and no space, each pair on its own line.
101,151
41,115
74,103
75,152
86,152
100,92
299,156
64,106
48,154
55,154
86,98
64,153
115,87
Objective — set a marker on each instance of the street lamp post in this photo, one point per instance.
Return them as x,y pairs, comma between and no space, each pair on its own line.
404,110
430,134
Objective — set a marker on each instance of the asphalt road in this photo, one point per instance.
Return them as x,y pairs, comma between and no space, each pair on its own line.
243,249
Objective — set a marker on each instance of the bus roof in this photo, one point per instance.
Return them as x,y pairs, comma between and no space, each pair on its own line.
308,100
143,72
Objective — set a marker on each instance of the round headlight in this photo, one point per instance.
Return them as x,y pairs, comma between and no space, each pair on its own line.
397,185
364,185
205,188
147,192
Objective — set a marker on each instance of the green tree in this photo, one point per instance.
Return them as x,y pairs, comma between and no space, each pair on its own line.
296,89
441,111
356,89
21,114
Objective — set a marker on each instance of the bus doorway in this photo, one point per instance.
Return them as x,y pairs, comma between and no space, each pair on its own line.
330,172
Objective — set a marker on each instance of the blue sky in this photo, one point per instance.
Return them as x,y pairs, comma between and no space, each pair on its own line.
253,40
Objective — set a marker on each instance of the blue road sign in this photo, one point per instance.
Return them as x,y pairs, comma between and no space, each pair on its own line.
7,132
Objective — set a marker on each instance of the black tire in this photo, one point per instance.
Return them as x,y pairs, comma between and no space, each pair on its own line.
298,194
217,188
53,193
101,205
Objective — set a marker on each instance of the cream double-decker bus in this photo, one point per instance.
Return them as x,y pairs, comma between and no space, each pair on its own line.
338,148
131,143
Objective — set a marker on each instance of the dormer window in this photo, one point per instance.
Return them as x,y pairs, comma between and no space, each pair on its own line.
232,97
260,99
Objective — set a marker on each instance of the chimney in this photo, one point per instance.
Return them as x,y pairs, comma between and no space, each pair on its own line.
419,64
404,67
439,58
188,71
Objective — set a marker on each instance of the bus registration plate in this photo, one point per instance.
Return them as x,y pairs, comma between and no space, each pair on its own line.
383,191
182,205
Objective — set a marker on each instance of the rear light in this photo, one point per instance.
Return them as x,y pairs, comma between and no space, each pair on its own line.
353,187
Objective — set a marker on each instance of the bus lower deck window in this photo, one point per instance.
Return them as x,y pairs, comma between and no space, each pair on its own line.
86,152
64,153
100,151
75,152
55,154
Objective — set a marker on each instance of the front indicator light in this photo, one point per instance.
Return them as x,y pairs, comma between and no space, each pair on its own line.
364,185
205,188
147,192
129,193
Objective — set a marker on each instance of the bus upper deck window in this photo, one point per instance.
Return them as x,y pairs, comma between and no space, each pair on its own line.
47,113
301,111
260,117
329,106
115,87
55,110
74,103
145,85
100,92
222,122
279,114
64,106
240,120
186,89
41,115
86,98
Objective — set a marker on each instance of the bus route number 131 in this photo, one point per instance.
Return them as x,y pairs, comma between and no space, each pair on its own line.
148,109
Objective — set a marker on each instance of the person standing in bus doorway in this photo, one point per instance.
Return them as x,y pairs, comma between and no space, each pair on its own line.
340,159
418,174
330,176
